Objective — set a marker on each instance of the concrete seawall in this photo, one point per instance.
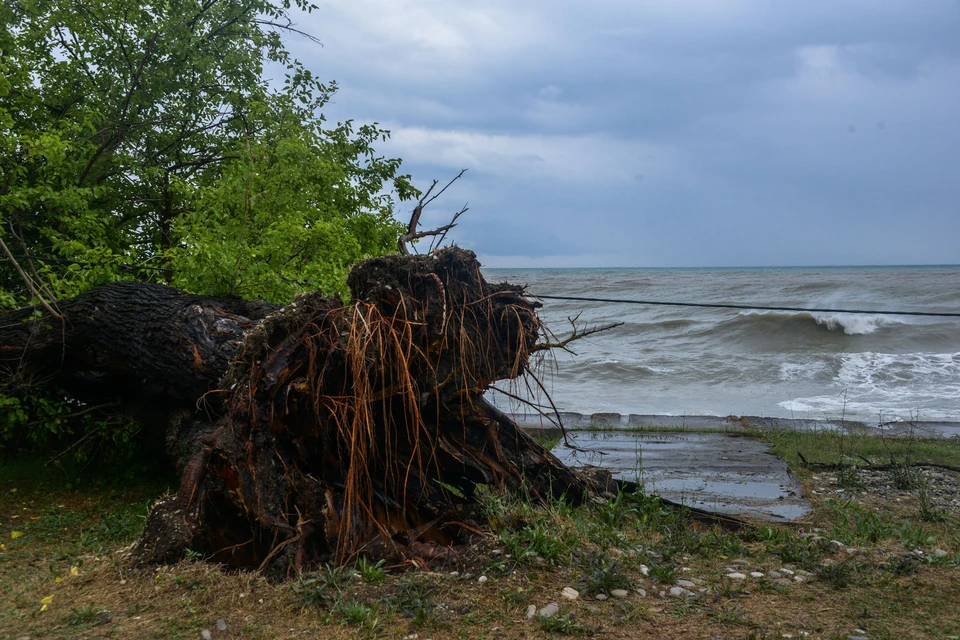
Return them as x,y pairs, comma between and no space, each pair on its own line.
617,421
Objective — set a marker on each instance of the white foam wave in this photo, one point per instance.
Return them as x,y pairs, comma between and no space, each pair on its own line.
793,371
850,323
873,370
891,386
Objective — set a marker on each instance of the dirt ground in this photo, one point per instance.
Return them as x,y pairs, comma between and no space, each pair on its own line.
879,557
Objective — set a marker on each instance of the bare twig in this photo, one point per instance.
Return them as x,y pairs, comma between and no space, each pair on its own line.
577,334
438,241
425,199
27,280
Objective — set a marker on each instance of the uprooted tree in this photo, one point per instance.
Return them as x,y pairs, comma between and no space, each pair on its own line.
316,431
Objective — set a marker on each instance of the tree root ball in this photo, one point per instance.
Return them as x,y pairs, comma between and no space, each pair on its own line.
361,428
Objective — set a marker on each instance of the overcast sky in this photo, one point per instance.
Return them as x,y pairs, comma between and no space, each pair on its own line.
694,133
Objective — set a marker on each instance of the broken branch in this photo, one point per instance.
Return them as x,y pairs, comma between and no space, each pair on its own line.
412,233
577,334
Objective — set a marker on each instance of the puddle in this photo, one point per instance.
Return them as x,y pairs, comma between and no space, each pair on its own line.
711,471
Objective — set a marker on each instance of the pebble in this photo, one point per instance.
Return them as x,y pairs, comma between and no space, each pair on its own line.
570,593
740,561
642,593
786,571
775,575
206,635
736,576
837,544
783,581
940,553
482,579
591,607
686,583
221,625
645,570
799,578
549,611
756,574
860,632
619,593
531,611
601,597
680,592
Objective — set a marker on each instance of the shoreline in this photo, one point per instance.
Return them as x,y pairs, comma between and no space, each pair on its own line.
574,421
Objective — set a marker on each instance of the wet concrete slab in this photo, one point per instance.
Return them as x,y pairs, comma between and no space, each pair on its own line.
714,471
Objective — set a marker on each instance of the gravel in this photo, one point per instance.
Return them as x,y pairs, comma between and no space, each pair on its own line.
942,486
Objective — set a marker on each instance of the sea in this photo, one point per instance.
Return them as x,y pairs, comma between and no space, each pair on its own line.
717,362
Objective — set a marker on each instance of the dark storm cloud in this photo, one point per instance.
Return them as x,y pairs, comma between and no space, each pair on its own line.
631,133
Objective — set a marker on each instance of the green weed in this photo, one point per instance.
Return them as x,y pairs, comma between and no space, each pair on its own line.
663,573
372,573
564,625
912,536
603,575
88,615
414,599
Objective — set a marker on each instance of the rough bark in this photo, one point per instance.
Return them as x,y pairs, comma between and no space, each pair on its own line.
339,429
128,341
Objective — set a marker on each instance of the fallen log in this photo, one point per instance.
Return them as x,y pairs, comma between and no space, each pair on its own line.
318,431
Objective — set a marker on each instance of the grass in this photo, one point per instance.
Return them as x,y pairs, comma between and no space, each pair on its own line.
66,575
832,447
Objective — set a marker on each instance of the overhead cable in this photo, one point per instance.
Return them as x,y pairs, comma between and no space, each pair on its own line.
752,307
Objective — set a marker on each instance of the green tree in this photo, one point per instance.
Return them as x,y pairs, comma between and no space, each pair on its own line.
142,140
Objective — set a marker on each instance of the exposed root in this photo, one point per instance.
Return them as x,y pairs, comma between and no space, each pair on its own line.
362,429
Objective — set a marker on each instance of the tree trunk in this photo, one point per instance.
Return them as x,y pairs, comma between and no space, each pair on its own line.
325,430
